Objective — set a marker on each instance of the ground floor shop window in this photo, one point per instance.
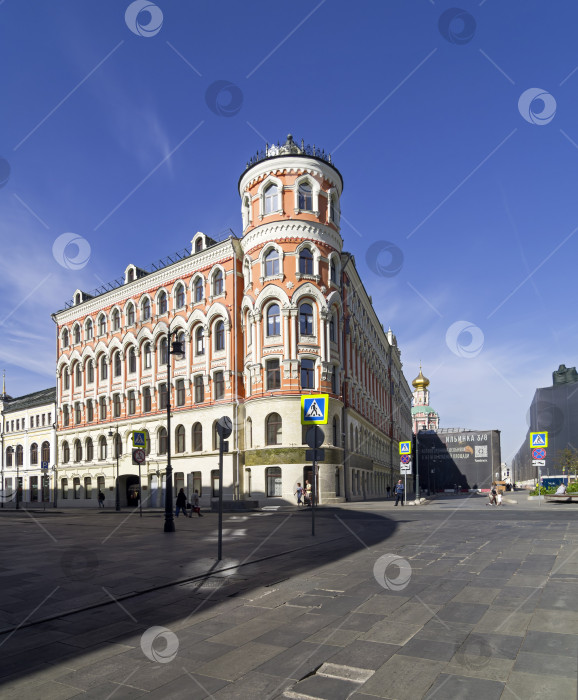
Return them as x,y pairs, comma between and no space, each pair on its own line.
274,481
198,483
64,485
215,483
87,487
76,487
33,488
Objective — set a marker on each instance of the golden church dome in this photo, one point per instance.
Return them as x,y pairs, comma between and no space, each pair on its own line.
420,382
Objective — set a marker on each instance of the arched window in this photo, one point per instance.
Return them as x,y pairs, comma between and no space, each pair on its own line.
305,196
116,320
130,315
76,333
162,441
307,374
199,289
218,386
306,319
103,368
65,416
146,350
180,338
273,374
219,335
102,447
66,379
77,375
306,262
274,481
273,320
34,453
132,360
102,324
180,438
199,388
65,338
336,431
247,272
249,434
271,199
218,283
197,437
162,303
117,364
45,452
146,399
77,451
146,309
117,446
180,296
272,263
198,245
88,329
273,429
333,272
163,352
200,341
65,452
9,456
332,334
334,210
89,450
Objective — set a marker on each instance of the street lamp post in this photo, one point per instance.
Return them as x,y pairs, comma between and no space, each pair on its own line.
116,451
177,349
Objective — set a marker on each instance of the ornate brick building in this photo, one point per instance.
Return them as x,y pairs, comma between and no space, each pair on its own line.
264,318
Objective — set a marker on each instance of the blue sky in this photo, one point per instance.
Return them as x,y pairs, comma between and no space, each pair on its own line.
108,135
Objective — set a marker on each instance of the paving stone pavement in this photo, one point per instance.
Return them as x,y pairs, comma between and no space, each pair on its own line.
446,600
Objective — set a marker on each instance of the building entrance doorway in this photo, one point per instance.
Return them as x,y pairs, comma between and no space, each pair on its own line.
132,491
308,477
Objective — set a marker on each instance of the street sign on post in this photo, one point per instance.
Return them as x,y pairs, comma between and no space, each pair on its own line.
224,428
139,439
138,456
43,465
314,409
405,447
539,439
314,438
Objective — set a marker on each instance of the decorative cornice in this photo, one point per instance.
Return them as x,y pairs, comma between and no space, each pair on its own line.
284,230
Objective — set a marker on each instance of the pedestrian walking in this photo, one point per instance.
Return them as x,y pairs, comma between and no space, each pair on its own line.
196,505
399,492
388,491
307,494
100,499
493,496
181,503
299,494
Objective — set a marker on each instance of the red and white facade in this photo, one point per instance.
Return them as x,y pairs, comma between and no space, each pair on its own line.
264,318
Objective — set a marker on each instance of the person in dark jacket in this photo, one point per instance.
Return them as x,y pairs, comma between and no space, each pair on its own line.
181,503
398,490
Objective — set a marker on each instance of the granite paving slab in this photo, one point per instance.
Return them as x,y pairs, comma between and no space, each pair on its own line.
448,687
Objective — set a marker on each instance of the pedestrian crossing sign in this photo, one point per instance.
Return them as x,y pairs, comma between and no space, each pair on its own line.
139,438
539,439
405,447
314,409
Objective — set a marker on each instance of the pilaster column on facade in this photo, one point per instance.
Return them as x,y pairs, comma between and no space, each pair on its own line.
208,353
258,316
293,333
252,332
285,313
228,345
322,334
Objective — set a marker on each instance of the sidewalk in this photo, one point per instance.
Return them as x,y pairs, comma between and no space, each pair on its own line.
388,603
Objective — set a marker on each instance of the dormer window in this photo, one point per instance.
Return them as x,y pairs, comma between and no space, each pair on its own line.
130,276
271,199
272,263
306,262
198,245
305,196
